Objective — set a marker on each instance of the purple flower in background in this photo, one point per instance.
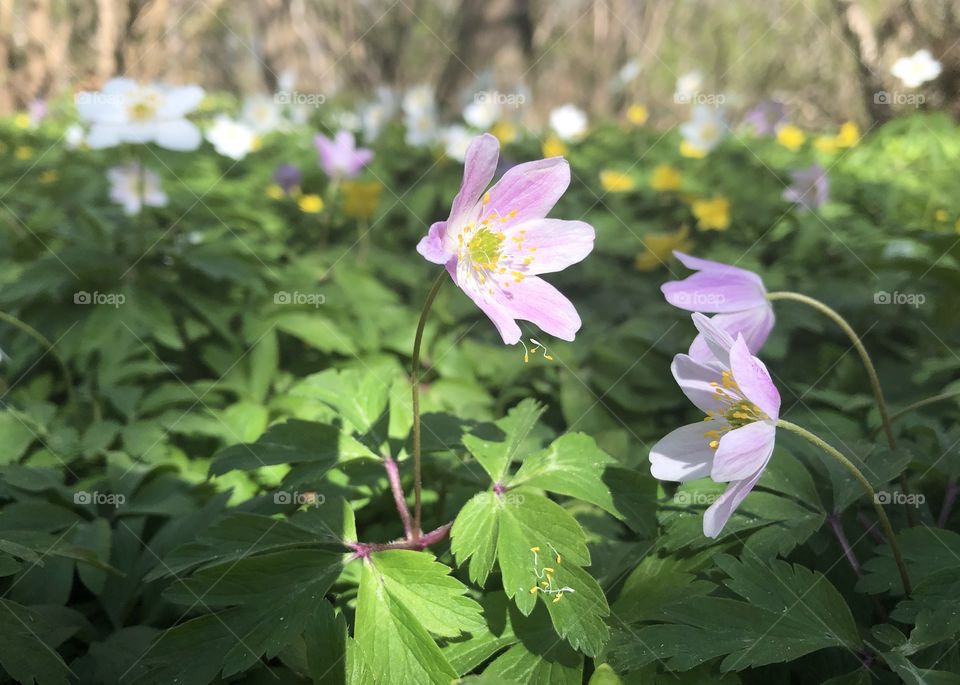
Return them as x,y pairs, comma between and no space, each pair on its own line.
733,444
340,157
810,188
38,111
765,117
494,244
287,176
737,297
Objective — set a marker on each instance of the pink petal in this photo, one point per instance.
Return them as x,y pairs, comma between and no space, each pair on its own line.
480,164
718,513
501,317
536,301
698,264
755,325
711,291
682,455
694,379
754,380
718,341
531,189
743,451
431,245
558,243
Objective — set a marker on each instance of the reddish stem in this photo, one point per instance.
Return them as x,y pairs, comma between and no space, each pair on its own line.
362,550
949,499
393,475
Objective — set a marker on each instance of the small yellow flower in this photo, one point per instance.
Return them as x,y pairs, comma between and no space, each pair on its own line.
554,147
22,120
311,204
827,144
275,192
638,114
791,137
360,199
615,181
660,247
49,176
941,215
692,151
666,177
849,134
504,131
712,214
956,226
24,152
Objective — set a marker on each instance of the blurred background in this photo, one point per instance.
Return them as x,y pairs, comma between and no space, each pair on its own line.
827,59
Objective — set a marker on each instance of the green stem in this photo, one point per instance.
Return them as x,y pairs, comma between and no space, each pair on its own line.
40,338
857,344
849,465
415,384
923,403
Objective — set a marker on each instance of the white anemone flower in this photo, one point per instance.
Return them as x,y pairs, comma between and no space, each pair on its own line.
133,186
261,112
456,139
420,116
916,69
128,112
74,136
376,114
688,86
705,129
569,122
231,138
483,111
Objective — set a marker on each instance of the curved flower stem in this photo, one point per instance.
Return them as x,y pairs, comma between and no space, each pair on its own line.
415,384
923,403
40,338
858,345
849,465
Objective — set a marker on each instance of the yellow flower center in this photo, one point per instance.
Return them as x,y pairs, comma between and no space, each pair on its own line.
481,249
143,106
737,412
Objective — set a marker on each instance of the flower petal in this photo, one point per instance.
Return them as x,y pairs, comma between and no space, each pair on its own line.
683,454
558,243
531,189
700,264
718,513
713,291
754,324
103,136
178,102
718,341
743,452
536,301
178,134
694,378
502,317
480,164
754,380
431,245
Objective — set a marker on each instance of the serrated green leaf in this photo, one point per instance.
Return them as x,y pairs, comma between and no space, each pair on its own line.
496,453
538,658
474,535
28,648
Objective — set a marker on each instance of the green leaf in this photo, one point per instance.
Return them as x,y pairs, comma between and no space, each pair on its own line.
469,651
28,648
495,455
317,331
396,647
292,442
926,552
15,436
474,535
538,658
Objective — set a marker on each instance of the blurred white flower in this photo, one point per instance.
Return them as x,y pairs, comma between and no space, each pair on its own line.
569,122
74,136
627,73
483,111
262,113
127,112
375,114
420,116
916,69
134,186
286,81
706,127
456,140
688,85
231,138
345,119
